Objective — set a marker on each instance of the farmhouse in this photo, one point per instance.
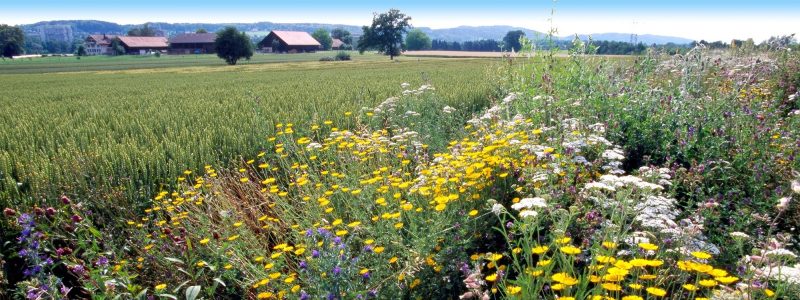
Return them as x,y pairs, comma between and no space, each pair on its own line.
143,44
192,43
337,44
98,44
289,41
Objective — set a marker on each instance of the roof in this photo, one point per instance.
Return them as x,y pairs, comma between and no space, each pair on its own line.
144,41
193,38
296,38
337,43
102,39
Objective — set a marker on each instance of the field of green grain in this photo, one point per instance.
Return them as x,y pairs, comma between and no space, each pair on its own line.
113,128
127,62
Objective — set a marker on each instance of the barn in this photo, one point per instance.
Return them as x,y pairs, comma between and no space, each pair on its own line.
143,44
337,44
289,42
192,43
99,44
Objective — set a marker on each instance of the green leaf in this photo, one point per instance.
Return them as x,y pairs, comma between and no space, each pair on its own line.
175,260
220,281
168,296
95,232
192,292
180,286
141,294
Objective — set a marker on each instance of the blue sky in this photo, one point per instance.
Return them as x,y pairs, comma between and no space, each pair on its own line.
710,20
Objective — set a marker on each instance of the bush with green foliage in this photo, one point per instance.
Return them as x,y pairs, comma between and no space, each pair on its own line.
342,55
232,45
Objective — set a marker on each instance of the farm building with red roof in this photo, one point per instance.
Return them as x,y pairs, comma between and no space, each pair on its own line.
192,43
143,44
289,41
98,44
337,44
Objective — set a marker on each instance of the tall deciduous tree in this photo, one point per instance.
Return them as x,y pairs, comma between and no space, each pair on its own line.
12,40
417,40
386,33
144,31
232,45
323,37
511,40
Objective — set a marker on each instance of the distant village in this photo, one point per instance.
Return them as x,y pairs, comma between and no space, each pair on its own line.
198,43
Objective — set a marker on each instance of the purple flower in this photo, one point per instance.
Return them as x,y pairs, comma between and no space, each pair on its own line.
336,270
102,261
309,233
365,275
368,248
303,264
304,295
314,253
337,240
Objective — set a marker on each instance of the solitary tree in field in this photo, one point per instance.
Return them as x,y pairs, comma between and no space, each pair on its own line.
511,40
12,40
81,51
417,40
232,45
324,38
385,34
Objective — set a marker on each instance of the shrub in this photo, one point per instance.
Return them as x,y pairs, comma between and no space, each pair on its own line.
342,55
326,58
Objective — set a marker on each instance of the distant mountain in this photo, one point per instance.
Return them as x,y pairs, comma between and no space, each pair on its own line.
646,39
70,30
472,33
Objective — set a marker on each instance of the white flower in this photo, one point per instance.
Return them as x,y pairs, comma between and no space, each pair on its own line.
405,85
783,203
780,253
498,209
796,186
739,234
529,203
312,146
615,154
448,110
510,97
528,213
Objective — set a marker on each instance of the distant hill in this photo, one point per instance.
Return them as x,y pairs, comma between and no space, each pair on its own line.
646,39
69,30
472,33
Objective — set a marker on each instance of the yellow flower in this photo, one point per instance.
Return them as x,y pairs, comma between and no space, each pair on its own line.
354,224
635,286
378,249
491,278
727,279
564,240
566,298
701,255
398,225
570,250
648,246
161,287
564,278
656,292
647,277
204,241
611,287
609,245
393,259
264,295
632,297
557,287
690,287
769,292
708,282
606,259
540,249
473,213
513,290
495,257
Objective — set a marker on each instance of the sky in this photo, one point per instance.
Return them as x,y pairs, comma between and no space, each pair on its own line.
709,20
